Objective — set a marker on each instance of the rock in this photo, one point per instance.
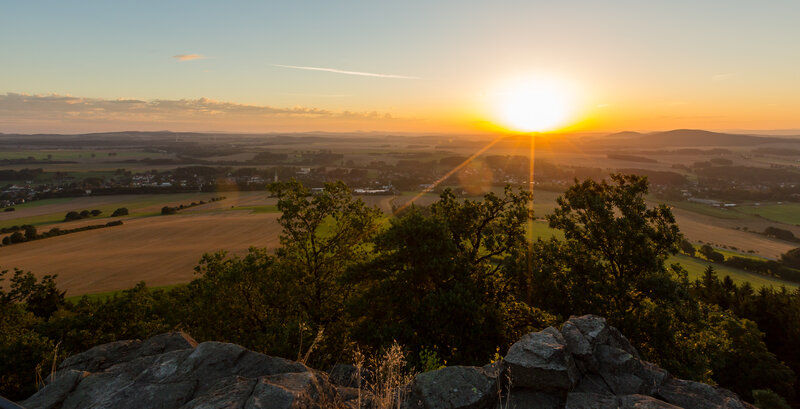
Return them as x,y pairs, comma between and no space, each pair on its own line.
626,374
292,391
101,356
56,391
593,383
588,364
588,400
454,387
540,361
643,402
526,399
107,355
699,395
231,392
348,376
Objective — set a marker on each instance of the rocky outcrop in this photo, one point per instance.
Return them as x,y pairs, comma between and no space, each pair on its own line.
587,364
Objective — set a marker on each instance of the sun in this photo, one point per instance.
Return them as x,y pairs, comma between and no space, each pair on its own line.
534,105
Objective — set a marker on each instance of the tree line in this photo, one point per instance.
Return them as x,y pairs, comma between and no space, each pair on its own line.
457,282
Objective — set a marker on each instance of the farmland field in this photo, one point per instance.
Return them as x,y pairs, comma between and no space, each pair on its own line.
158,250
695,267
163,250
782,213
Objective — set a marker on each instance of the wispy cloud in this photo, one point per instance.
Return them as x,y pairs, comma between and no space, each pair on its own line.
54,106
189,57
338,71
723,77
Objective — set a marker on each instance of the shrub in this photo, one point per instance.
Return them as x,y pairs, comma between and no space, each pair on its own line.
122,211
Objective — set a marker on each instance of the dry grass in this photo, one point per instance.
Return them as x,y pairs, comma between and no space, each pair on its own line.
387,380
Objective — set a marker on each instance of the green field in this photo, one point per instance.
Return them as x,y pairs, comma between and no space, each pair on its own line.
782,213
695,267
542,230
131,202
709,210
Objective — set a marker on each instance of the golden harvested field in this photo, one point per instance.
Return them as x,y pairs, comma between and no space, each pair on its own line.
157,250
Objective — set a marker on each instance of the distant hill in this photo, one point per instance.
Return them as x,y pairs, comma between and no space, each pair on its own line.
686,137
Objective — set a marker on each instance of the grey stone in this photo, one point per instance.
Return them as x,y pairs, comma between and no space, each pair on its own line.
349,376
526,399
101,356
56,391
454,387
699,395
297,390
230,393
588,400
107,355
540,361
643,402
627,375
593,383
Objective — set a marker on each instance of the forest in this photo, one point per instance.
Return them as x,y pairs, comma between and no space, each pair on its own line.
455,282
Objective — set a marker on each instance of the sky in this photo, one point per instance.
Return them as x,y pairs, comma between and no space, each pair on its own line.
410,66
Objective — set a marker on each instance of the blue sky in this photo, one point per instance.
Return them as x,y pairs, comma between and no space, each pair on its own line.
636,64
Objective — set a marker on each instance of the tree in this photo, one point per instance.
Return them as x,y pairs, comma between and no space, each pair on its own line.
711,254
30,233
439,277
16,237
122,211
323,235
791,258
245,300
613,242
687,248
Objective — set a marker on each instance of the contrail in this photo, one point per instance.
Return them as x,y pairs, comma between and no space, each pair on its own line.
334,70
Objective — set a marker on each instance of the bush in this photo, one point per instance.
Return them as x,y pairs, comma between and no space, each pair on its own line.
767,399
122,211
96,212
9,209
168,210
73,215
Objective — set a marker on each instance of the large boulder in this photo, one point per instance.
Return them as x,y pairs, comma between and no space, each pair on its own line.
210,375
699,395
586,365
541,361
454,387
107,355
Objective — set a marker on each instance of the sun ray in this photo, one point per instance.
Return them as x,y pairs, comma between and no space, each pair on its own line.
449,173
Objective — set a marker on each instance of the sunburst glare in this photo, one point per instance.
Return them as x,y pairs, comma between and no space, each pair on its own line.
534,104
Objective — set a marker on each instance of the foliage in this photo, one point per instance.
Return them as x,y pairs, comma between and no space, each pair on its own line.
265,317
24,304
791,258
687,248
767,399
438,277
323,235
430,280
122,211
